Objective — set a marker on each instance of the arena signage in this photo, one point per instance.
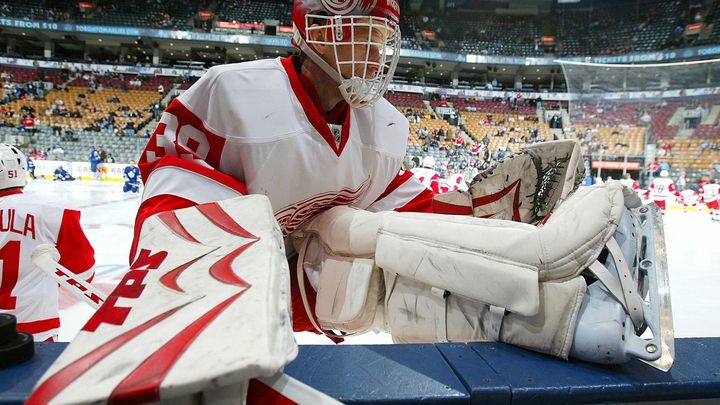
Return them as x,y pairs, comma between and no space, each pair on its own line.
607,165
284,41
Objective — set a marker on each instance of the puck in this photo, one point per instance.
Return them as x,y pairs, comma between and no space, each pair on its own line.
20,350
8,323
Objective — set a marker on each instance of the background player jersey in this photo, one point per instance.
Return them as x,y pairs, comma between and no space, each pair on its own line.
25,291
252,128
630,183
131,174
710,192
428,177
689,197
662,188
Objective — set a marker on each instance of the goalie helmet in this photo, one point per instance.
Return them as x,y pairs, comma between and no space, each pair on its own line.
12,167
364,38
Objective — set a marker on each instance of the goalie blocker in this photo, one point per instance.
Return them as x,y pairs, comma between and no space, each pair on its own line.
586,281
203,309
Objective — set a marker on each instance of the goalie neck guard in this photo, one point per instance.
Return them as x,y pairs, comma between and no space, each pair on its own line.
364,40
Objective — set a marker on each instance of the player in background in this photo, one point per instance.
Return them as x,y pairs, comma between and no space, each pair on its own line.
427,175
711,197
629,182
60,174
95,160
455,181
689,198
310,132
25,291
131,174
662,190
31,168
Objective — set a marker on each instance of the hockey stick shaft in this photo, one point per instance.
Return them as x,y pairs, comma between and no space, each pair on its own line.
45,257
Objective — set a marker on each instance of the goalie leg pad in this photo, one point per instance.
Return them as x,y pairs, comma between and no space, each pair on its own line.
501,262
415,313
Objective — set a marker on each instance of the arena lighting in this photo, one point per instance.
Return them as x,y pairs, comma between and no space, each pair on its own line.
205,14
85,6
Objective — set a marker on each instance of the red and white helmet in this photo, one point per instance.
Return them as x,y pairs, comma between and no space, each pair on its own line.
367,30
13,167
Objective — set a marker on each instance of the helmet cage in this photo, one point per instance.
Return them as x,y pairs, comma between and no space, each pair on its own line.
373,44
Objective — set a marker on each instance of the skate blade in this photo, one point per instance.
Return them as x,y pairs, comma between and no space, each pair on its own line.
658,312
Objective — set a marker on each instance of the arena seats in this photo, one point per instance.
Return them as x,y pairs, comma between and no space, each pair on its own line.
254,11
605,30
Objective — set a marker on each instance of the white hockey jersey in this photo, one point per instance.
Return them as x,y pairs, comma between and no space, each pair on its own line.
256,123
457,182
630,183
710,192
255,128
689,197
25,291
428,177
662,188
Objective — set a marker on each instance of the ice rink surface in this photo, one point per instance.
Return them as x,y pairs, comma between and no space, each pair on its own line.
108,215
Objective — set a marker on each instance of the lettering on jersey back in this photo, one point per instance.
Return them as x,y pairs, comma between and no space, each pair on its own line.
7,223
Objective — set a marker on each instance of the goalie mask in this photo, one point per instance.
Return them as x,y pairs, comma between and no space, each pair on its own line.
362,38
12,167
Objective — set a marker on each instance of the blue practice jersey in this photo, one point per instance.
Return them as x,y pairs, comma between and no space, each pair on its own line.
131,174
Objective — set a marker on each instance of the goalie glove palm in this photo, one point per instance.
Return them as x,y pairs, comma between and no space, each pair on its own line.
525,187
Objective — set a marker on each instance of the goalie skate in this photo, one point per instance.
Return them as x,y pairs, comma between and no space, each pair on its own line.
631,294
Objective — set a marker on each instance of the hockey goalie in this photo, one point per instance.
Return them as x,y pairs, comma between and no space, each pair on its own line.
274,184
523,257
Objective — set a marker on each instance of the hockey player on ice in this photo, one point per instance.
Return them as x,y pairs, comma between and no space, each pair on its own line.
688,198
277,182
630,183
662,190
131,175
25,291
427,175
710,196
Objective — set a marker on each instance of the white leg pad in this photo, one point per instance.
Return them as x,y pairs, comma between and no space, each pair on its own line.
415,314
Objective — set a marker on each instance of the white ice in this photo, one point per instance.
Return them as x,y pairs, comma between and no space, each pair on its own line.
108,215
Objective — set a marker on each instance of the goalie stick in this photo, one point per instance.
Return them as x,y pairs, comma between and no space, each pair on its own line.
46,257
279,388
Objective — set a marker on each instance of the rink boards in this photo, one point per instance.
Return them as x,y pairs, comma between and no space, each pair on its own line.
488,373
